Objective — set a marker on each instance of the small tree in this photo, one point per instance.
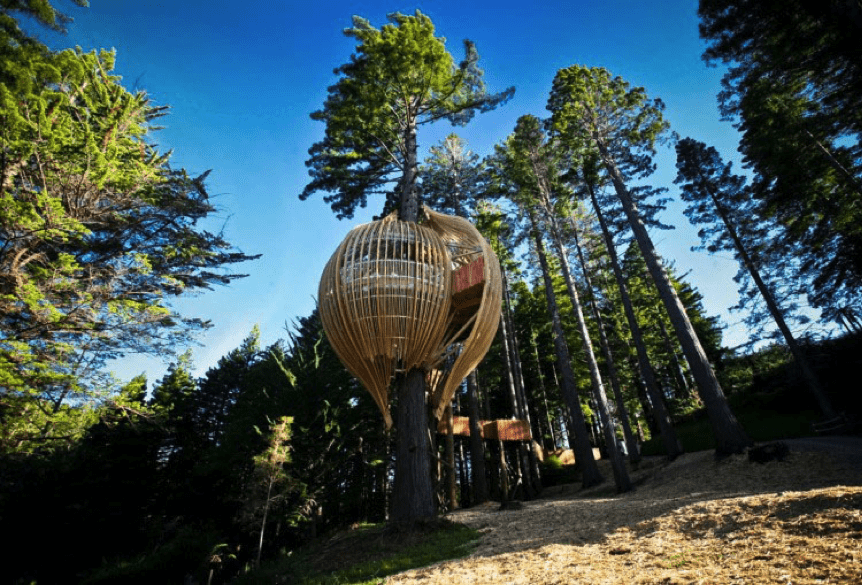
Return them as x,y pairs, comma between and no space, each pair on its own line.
270,474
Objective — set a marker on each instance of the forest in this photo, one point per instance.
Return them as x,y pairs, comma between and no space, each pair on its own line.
603,348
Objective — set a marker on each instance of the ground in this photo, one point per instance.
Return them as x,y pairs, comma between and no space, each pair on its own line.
691,521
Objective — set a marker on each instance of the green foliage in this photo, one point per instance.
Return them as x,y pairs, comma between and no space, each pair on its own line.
98,233
722,204
452,177
793,91
588,106
400,76
554,473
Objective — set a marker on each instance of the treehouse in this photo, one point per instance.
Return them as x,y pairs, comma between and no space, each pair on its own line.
400,295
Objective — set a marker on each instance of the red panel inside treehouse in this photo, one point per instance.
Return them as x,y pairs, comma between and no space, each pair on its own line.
468,275
467,286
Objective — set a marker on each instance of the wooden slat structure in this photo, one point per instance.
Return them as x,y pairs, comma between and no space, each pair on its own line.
467,246
388,303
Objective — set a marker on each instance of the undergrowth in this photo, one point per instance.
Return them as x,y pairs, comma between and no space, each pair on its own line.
366,555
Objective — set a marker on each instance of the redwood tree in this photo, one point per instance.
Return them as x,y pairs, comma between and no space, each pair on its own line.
400,77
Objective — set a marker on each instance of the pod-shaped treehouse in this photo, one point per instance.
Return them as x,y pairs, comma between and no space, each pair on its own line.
399,295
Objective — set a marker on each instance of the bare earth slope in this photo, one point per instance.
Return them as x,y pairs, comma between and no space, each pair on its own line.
691,521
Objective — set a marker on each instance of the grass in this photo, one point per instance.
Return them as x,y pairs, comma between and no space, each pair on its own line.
367,555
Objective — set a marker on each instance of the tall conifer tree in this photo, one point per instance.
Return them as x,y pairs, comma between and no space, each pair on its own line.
400,77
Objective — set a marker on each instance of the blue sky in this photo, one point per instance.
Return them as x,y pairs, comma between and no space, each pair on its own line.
242,79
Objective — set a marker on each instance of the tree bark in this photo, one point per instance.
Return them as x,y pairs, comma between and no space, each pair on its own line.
730,436
413,493
775,312
523,412
582,448
548,417
658,410
413,490
477,450
631,446
675,366
621,477
522,470
450,459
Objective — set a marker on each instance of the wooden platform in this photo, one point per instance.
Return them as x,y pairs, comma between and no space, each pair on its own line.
498,429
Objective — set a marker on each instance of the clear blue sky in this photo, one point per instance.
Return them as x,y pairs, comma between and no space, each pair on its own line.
242,78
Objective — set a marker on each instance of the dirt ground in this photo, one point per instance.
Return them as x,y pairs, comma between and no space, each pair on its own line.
691,521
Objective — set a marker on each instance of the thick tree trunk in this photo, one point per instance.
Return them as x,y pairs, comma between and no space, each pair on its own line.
730,436
409,205
658,411
631,446
775,312
582,448
413,493
413,490
477,450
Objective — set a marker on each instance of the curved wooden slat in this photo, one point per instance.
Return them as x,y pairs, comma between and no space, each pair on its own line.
459,234
385,300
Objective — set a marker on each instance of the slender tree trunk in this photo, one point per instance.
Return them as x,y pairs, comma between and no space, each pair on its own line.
477,451
775,312
582,448
659,412
542,390
675,366
527,458
263,525
621,477
631,446
503,474
522,470
450,459
639,430
730,436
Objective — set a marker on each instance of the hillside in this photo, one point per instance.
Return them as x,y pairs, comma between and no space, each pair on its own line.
690,521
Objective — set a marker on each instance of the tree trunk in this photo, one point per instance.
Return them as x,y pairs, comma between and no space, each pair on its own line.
531,465
413,493
503,474
631,446
523,468
730,435
775,312
582,448
477,450
675,366
658,411
450,459
263,525
544,396
621,477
